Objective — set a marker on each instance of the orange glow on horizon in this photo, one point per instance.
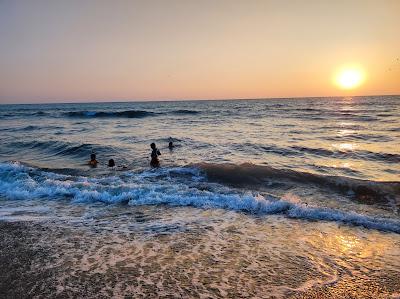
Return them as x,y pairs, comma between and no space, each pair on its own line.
136,50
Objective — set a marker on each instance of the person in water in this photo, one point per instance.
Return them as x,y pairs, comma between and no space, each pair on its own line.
111,163
154,156
170,145
93,162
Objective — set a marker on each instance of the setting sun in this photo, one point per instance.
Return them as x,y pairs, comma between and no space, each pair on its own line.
349,78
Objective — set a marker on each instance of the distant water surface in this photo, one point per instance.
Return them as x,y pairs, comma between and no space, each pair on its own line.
328,168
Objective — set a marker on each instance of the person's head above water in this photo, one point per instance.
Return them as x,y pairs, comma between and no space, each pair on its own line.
170,145
111,163
93,162
153,145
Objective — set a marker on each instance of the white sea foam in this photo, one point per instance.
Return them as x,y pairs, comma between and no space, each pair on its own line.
18,182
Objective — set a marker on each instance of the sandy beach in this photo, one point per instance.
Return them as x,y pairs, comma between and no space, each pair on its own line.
39,261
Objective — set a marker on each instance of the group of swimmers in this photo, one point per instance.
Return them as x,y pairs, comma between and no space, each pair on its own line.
154,162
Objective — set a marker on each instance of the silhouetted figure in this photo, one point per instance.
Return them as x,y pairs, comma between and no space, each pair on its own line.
111,163
154,155
93,162
170,145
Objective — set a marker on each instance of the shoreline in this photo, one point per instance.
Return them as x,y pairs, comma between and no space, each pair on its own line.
42,261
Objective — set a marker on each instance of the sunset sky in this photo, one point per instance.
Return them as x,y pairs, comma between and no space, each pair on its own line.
67,51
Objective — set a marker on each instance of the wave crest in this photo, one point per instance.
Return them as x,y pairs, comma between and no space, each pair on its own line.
124,114
250,174
20,182
94,114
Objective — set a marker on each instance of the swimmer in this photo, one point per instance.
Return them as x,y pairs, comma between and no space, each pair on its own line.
93,162
111,163
154,156
170,145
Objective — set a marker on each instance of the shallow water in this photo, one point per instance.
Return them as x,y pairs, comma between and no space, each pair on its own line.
278,197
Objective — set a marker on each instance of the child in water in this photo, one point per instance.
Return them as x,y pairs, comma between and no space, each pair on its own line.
93,162
154,156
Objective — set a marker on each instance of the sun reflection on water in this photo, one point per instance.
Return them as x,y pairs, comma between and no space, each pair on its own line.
347,243
345,132
345,146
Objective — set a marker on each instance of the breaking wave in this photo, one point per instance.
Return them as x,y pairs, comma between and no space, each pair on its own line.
19,182
250,174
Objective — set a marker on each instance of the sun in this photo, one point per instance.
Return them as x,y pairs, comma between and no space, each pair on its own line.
349,78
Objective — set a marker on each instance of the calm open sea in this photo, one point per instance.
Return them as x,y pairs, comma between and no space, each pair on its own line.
257,198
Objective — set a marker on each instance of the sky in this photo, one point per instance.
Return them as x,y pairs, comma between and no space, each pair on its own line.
95,50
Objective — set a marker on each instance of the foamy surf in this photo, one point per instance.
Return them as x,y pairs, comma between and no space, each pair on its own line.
160,187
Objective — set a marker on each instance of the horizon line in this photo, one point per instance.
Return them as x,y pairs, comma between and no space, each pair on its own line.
195,100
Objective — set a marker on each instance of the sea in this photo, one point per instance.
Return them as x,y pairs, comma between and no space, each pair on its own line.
257,198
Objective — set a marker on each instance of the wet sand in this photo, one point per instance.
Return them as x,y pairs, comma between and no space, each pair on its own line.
49,261
20,257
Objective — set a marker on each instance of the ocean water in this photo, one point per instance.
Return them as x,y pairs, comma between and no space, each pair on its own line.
257,198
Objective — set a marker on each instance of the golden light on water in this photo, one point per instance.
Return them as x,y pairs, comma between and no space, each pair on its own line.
349,78
345,146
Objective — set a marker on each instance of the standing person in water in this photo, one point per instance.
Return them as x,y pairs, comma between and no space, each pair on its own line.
170,144
154,155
